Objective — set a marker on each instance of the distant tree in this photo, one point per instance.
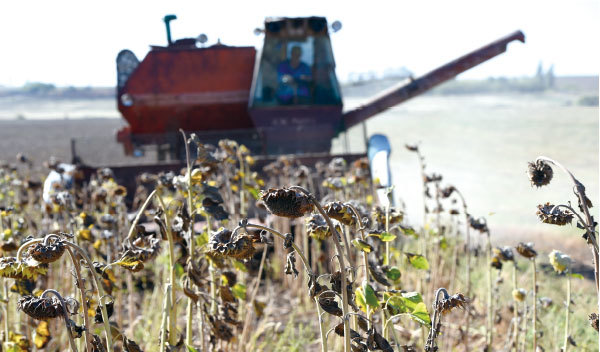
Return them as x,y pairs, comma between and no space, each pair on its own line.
38,88
550,77
539,77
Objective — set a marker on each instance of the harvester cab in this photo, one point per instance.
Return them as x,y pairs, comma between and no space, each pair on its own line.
295,100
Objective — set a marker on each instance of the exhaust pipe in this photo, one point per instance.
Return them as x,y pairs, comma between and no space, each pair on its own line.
167,19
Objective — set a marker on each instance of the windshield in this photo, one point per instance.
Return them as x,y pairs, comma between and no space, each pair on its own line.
296,72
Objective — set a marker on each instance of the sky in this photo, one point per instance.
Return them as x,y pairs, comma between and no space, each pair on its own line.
75,43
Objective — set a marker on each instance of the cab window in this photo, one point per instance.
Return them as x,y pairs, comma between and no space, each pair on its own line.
296,72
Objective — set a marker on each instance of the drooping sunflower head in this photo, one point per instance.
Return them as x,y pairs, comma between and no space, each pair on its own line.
594,321
551,214
504,253
526,250
40,308
286,202
221,244
540,173
316,226
47,253
341,212
27,268
519,295
446,305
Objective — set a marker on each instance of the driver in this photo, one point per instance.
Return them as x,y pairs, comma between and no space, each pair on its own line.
294,77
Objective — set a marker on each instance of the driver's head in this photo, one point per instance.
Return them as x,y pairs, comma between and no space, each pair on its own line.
296,52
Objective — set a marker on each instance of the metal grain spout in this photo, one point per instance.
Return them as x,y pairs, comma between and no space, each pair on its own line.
405,91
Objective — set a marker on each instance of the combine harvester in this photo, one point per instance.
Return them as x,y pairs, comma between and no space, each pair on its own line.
285,99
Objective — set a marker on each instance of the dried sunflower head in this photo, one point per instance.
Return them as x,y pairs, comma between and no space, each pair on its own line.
526,250
448,304
447,192
560,261
317,228
286,202
341,212
337,166
40,308
540,173
395,216
519,294
133,258
334,183
432,178
221,244
27,268
8,245
551,214
594,321
47,253
478,224
412,147
496,262
504,253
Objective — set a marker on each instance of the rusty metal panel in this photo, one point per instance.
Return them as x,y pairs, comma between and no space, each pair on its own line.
189,88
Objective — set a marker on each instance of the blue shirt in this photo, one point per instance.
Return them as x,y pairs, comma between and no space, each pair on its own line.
285,92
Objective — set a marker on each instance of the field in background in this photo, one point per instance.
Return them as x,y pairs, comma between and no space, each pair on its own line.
479,142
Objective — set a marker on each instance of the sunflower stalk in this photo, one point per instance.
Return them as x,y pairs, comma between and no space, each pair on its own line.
6,302
567,310
173,305
534,304
468,266
515,309
340,257
365,259
189,333
490,310
163,325
80,284
65,315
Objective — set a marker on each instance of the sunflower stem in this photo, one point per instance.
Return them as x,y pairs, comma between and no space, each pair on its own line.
490,310
190,304
567,311
84,306
340,257
468,266
515,309
6,310
65,315
173,308
166,309
534,304
136,220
